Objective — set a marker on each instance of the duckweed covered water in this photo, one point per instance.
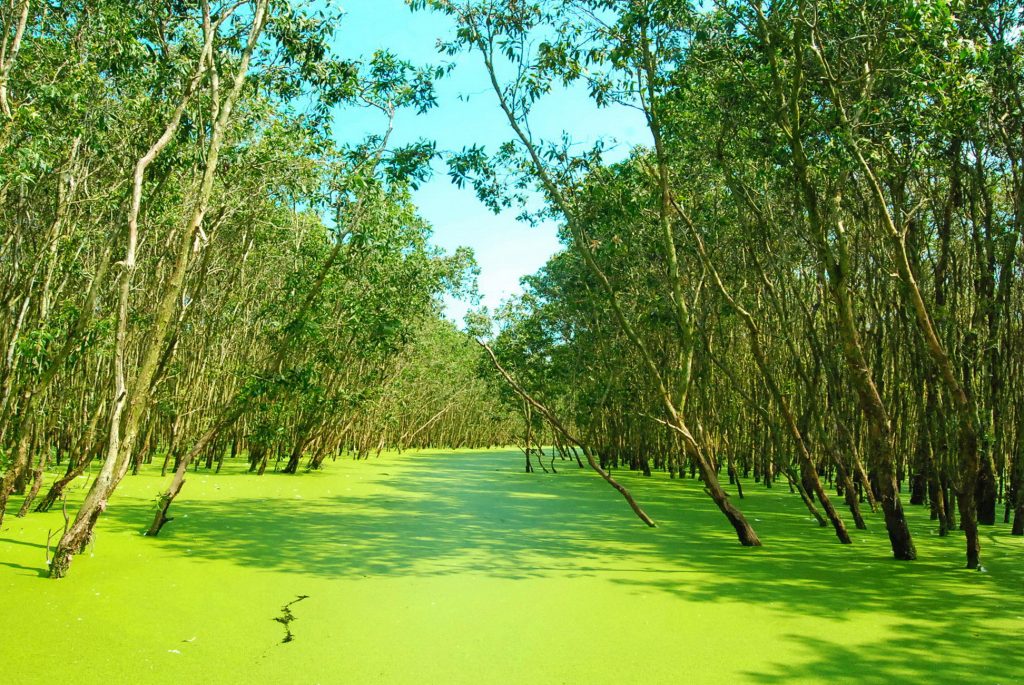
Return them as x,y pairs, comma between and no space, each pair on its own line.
454,567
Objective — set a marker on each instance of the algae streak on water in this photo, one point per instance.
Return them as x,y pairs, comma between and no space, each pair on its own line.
453,567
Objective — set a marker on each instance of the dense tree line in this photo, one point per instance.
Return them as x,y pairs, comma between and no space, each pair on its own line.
810,277
812,273
191,267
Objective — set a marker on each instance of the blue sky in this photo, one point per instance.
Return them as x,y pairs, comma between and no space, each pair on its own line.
467,114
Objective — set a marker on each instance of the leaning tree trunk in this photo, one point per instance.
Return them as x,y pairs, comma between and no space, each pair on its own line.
135,402
37,483
581,244
165,500
808,470
21,460
558,426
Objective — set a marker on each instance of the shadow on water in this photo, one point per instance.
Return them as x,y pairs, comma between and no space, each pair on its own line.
471,512
37,571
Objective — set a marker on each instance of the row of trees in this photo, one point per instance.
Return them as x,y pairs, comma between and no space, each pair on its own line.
814,269
189,265
812,273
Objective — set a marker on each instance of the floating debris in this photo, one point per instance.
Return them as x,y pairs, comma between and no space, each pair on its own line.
287,617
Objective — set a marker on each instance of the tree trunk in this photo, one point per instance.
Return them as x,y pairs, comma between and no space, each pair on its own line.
850,494
37,482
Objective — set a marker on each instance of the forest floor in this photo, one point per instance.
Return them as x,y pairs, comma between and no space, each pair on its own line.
454,567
